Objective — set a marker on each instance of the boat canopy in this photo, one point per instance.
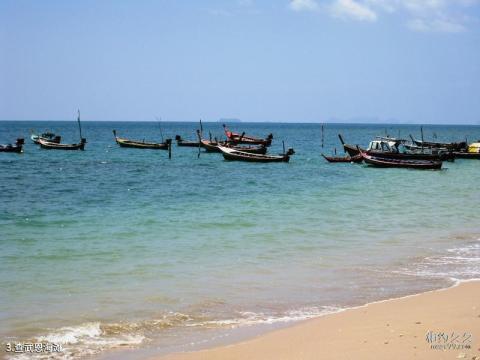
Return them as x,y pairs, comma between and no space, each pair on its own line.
474,147
380,145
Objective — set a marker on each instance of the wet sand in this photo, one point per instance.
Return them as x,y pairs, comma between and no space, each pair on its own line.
442,324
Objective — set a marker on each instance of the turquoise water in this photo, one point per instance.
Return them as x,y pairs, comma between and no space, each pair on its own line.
117,248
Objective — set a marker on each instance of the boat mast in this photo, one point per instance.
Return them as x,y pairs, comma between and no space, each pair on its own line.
160,127
79,125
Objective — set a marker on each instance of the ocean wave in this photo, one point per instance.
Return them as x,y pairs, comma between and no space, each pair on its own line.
458,263
94,337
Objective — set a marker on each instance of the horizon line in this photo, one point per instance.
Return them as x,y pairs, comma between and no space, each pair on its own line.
258,122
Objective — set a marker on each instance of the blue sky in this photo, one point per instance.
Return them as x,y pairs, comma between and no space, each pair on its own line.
284,60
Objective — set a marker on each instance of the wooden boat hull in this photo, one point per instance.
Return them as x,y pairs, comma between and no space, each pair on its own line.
262,150
54,146
235,155
209,146
185,143
435,145
397,163
346,159
126,143
403,156
237,138
466,155
16,148
249,141
139,145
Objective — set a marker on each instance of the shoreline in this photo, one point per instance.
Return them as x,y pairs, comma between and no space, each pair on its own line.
398,328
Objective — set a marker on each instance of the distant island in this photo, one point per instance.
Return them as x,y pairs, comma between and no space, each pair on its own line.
229,120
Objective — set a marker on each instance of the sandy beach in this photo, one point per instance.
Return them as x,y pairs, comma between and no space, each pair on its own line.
442,324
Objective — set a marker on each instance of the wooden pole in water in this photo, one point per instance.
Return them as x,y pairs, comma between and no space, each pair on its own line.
199,142
169,148
283,144
323,135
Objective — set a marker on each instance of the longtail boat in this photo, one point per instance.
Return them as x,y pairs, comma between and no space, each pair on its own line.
213,146
50,145
397,163
454,146
56,146
344,159
182,142
15,148
237,138
141,144
351,150
46,136
389,148
235,155
472,152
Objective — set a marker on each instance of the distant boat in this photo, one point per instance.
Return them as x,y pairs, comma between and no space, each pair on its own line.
246,139
389,148
398,163
142,144
46,136
15,148
352,150
344,159
235,155
186,143
454,146
56,146
472,152
213,146
52,145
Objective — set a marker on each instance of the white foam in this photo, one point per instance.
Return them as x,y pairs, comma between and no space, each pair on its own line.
459,263
82,340
251,318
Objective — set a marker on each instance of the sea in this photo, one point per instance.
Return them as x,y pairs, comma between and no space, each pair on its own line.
116,253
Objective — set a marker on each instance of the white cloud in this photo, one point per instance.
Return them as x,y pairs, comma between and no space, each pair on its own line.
424,15
303,5
435,25
448,16
352,9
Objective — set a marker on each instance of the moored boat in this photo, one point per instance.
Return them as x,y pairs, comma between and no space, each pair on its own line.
213,146
13,148
141,144
472,152
58,146
237,138
52,145
343,159
186,143
235,155
401,163
453,146
46,136
392,148
351,150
